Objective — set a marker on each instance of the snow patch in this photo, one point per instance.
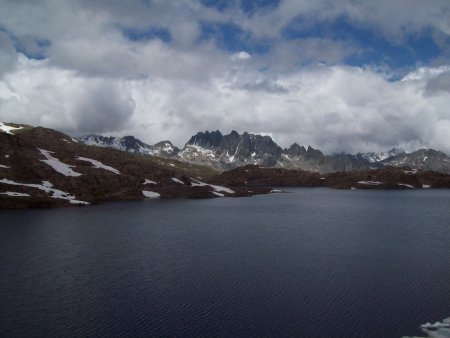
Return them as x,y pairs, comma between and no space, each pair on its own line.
276,191
150,194
194,150
73,140
8,129
218,194
57,165
46,186
15,194
177,180
4,166
426,186
435,326
6,156
98,164
149,182
370,182
232,157
217,188
406,185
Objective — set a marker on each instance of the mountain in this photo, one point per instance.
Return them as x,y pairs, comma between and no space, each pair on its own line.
42,167
422,159
131,144
225,152
230,151
373,157
310,159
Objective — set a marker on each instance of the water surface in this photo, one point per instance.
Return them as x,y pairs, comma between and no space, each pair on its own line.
311,263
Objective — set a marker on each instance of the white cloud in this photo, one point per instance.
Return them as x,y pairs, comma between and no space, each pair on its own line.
39,94
334,108
95,79
8,55
242,55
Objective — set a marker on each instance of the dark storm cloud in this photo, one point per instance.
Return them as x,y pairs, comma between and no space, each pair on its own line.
104,108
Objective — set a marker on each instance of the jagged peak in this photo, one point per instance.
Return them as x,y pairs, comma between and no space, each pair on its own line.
234,132
163,143
206,138
130,137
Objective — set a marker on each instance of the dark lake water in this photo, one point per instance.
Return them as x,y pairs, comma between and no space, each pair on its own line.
311,263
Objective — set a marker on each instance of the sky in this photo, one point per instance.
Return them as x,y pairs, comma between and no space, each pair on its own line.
339,75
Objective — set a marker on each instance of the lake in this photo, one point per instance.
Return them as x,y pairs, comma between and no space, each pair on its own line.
308,263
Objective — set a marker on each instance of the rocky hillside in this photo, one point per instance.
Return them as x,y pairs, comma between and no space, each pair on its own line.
423,159
43,167
251,176
225,152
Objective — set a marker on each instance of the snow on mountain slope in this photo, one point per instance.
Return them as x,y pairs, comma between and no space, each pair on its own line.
48,188
98,164
7,129
373,157
57,165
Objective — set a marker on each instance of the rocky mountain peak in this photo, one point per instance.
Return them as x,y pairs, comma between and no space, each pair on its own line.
295,150
314,153
207,139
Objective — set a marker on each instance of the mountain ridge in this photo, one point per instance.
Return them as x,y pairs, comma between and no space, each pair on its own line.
229,151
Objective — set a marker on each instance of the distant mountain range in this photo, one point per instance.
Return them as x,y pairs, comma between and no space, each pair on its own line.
225,152
131,144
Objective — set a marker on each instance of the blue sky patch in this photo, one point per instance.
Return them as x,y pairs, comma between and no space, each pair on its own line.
134,34
415,49
247,6
232,38
31,46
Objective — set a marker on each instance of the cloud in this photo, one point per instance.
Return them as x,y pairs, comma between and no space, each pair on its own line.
92,76
393,19
37,94
335,108
242,55
7,54
265,86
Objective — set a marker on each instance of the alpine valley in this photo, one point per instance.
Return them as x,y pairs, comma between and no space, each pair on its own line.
41,167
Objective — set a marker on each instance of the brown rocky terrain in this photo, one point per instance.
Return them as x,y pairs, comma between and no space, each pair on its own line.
385,178
24,172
